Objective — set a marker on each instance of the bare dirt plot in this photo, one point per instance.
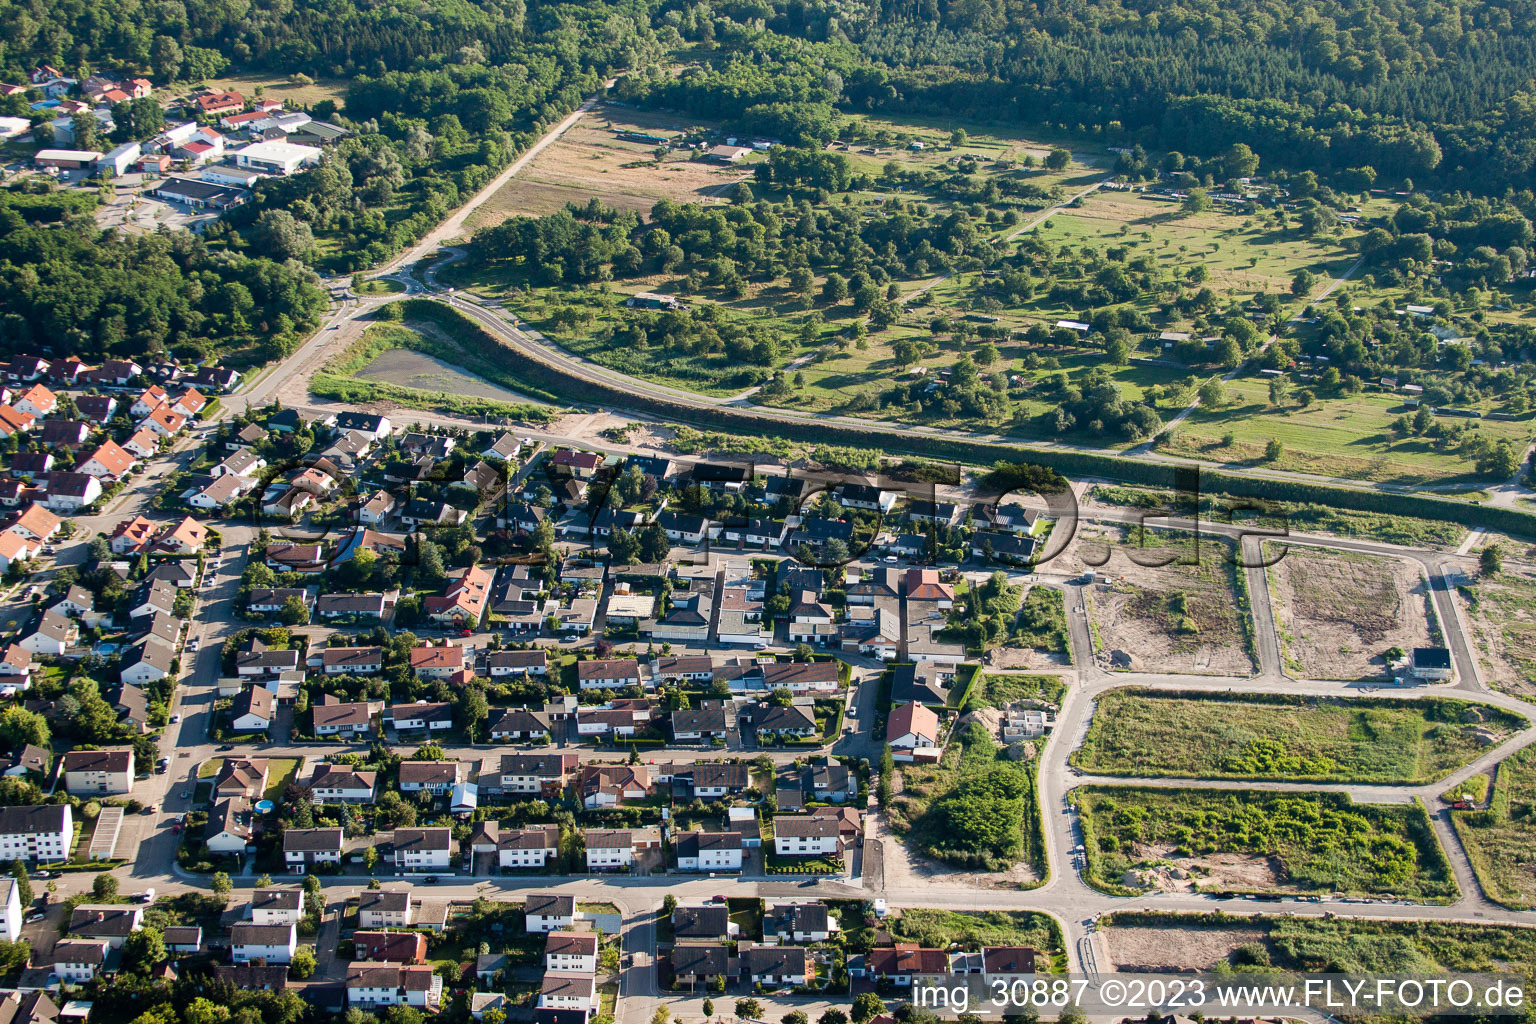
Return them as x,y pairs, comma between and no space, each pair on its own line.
591,160
1188,947
419,370
1220,871
1338,612
1501,613
1177,618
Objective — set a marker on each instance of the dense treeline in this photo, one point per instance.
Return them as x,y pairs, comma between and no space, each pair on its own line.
70,288
302,36
757,241
1424,89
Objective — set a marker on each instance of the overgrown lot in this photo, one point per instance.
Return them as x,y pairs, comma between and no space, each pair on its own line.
973,809
1501,841
1141,840
1274,736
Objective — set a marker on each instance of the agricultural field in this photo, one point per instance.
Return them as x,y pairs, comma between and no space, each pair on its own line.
1501,841
593,160
1145,940
1175,617
1501,610
1235,841
1158,733
1338,435
1339,612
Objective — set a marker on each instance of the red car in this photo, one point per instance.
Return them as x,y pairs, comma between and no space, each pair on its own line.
466,632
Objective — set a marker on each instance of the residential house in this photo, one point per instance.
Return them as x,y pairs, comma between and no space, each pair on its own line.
384,908
770,722
423,849
252,709
796,836
435,777
70,492
384,984
520,724
276,906
390,947
103,772
608,674
428,715
342,784
774,966
573,952
907,963
530,847
357,607
710,922
36,832
712,780
546,912
708,851
711,720
613,785
112,923
303,848
268,943
352,661
616,849
77,961
913,728
798,922
700,963
444,661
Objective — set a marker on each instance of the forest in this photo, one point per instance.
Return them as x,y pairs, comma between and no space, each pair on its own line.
1432,91
71,288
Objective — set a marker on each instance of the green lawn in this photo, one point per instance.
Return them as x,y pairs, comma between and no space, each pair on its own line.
1157,733
1231,841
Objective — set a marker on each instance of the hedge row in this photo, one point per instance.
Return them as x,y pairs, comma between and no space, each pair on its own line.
549,379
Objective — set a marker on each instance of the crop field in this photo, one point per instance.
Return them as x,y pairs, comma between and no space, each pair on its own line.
1157,733
1174,617
1342,436
592,161
1155,941
1339,612
1233,841
1501,610
1501,841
